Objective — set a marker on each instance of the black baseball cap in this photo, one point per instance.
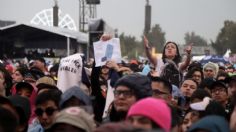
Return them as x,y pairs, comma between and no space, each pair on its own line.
218,83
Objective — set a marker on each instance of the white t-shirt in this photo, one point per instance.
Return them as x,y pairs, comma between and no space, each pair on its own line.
159,66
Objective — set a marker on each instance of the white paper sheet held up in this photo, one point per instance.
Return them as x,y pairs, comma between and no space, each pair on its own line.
107,50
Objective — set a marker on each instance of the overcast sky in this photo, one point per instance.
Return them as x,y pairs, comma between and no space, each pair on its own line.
176,17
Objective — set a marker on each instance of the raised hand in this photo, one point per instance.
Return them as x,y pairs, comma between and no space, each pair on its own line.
188,49
112,64
105,37
151,58
145,41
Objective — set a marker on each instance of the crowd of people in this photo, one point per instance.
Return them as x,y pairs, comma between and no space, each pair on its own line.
162,94
29,54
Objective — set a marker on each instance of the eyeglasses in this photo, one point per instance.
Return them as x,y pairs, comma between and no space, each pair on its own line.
49,111
158,92
218,90
125,93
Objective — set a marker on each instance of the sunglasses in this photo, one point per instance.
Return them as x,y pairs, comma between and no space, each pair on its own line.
49,111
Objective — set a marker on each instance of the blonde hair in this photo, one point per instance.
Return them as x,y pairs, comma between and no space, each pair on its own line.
212,66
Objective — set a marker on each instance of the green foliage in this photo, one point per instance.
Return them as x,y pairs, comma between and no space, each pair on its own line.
129,46
133,48
226,38
156,37
195,39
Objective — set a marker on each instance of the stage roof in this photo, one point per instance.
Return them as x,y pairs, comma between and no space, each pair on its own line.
29,31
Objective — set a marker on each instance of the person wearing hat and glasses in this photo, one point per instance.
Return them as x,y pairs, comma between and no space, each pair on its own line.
128,90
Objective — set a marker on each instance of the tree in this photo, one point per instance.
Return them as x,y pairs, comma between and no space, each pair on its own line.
132,48
195,39
129,46
226,39
156,37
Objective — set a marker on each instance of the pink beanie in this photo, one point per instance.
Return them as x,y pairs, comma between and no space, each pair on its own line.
155,109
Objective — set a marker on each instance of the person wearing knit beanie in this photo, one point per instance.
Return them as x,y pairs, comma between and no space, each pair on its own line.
135,85
150,113
139,84
210,70
128,90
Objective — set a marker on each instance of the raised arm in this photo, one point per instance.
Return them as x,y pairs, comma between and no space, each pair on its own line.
186,62
147,48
